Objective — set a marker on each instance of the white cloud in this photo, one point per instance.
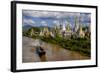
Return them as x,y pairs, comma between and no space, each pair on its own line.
55,22
85,17
44,23
54,14
28,21
35,13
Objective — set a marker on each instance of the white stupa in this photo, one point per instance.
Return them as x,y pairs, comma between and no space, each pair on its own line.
64,27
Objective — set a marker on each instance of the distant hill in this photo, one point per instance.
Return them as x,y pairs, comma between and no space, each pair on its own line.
26,27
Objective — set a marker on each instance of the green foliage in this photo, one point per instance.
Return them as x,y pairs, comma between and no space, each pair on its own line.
36,29
81,45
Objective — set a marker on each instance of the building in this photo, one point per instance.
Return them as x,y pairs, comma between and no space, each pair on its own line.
45,32
65,31
81,33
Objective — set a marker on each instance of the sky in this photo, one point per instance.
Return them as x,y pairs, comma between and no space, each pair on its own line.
54,18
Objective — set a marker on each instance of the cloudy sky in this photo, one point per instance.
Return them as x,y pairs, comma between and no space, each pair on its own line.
52,18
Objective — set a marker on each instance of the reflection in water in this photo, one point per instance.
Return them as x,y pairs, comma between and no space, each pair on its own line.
52,52
43,58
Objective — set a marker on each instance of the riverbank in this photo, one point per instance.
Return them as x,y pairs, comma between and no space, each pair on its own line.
53,52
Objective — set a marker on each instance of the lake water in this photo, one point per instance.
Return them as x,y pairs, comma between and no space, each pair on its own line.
53,52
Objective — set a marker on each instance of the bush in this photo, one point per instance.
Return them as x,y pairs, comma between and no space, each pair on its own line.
81,45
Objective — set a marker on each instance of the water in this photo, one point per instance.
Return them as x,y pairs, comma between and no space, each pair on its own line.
53,52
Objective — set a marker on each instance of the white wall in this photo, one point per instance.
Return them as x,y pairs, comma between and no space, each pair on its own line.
5,36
